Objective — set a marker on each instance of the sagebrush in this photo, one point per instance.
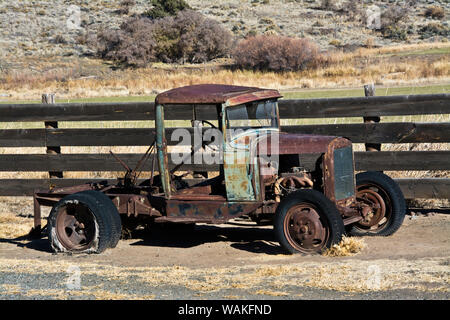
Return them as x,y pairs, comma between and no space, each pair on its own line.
187,37
276,53
164,8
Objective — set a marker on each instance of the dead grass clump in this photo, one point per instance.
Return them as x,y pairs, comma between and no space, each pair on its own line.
14,230
349,246
275,270
422,203
271,293
13,226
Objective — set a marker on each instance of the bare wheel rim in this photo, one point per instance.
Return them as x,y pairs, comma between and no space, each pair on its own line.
75,226
305,229
381,207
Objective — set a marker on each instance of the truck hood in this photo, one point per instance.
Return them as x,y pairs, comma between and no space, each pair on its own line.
289,143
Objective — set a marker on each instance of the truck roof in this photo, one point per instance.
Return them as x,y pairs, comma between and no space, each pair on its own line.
215,94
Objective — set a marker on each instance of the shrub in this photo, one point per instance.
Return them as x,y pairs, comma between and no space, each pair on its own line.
335,42
353,11
435,12
187,37
393,15
395,33
434,29
393,19
133,44
190,37
164,8
370,43
59,39
328,5
125,6
275,53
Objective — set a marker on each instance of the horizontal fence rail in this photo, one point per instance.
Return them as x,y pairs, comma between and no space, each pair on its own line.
53,137
384,160
399,132
289,109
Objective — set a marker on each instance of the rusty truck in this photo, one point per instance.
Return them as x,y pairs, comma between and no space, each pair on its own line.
305,185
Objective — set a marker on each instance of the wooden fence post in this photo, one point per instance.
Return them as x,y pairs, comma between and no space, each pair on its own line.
49,98
369,91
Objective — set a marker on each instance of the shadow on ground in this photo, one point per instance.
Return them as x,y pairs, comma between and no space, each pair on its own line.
252,239
427,211
35,244
241,236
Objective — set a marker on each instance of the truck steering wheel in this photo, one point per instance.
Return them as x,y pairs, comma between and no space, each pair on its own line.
207,122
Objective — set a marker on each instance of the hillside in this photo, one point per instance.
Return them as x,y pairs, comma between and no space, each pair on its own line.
39,49
40,28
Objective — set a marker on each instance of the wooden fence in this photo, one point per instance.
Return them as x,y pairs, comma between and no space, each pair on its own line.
52,137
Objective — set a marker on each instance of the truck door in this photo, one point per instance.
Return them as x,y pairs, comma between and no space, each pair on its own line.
237,171
238,168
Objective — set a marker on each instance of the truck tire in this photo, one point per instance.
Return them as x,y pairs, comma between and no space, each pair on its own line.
307,222
116,222
379,190
79,223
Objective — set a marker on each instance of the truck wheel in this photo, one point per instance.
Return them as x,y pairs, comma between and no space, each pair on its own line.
307,222
386,199
116,222
79,223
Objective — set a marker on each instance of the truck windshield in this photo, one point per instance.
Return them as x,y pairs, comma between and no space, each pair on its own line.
252,116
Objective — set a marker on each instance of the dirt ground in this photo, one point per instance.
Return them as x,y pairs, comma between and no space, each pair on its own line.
233,261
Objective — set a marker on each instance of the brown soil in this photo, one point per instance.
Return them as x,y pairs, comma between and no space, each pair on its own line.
237,260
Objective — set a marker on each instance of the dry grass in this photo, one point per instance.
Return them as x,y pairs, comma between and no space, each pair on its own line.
13,226
62,294
421,203
337,69
351,276
271,293
348,246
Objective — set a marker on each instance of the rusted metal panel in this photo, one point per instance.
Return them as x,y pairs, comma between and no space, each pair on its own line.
161,146
134,205
240,172
329,168
208,211
214,94
238,182
286,143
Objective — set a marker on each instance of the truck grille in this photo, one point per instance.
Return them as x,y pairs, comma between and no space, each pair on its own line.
344,178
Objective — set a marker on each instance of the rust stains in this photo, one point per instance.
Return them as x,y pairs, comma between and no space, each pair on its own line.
215,94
